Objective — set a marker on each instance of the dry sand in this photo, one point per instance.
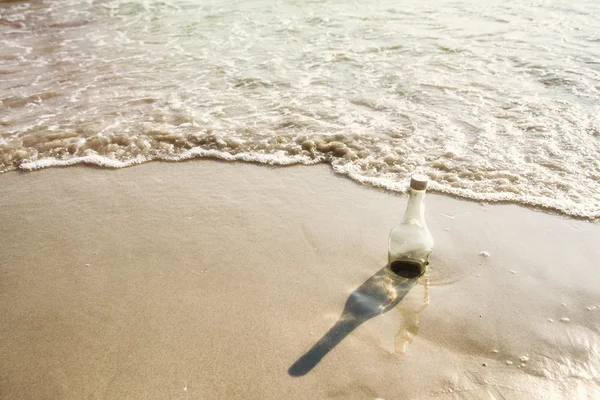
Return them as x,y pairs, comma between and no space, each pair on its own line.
219,280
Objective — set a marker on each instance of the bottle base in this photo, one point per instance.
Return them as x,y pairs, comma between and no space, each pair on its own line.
407,268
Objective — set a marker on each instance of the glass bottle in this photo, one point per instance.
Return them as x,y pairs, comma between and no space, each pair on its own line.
410,242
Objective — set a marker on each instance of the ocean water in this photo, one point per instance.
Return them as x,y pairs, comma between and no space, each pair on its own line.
495,100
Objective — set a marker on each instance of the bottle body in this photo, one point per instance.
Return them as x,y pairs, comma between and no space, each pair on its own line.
410,242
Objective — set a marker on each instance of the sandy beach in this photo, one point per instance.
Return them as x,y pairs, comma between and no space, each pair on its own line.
216,280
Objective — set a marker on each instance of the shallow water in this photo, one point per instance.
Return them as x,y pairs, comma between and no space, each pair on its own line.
496,102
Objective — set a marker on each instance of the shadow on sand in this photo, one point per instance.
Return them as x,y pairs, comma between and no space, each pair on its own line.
379,294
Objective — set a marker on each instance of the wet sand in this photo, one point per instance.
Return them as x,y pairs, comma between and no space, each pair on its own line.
207,279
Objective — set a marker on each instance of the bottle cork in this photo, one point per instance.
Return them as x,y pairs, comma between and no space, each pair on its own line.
419,182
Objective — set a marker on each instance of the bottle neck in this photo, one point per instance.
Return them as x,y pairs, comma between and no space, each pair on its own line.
415,209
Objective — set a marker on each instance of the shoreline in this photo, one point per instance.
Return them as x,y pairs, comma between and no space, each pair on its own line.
272,161
216,279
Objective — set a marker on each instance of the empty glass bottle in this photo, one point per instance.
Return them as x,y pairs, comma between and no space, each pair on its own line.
410,242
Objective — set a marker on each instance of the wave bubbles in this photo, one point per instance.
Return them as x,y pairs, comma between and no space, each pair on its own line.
469,95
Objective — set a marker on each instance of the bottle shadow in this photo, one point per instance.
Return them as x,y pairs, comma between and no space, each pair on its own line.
379,294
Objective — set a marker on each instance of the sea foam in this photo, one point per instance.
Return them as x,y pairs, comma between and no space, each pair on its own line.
375,92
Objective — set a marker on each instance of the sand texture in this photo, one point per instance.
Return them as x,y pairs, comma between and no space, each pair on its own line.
217,280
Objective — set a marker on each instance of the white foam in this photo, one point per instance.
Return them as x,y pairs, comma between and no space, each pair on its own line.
100,161
107,162
297,86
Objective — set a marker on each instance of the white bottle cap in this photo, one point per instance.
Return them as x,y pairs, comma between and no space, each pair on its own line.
419,182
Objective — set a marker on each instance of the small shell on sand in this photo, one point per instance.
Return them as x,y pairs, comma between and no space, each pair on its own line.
512,271
524,358
565,319
508,362
484,254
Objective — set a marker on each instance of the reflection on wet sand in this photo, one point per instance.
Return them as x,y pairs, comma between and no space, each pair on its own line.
411,307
